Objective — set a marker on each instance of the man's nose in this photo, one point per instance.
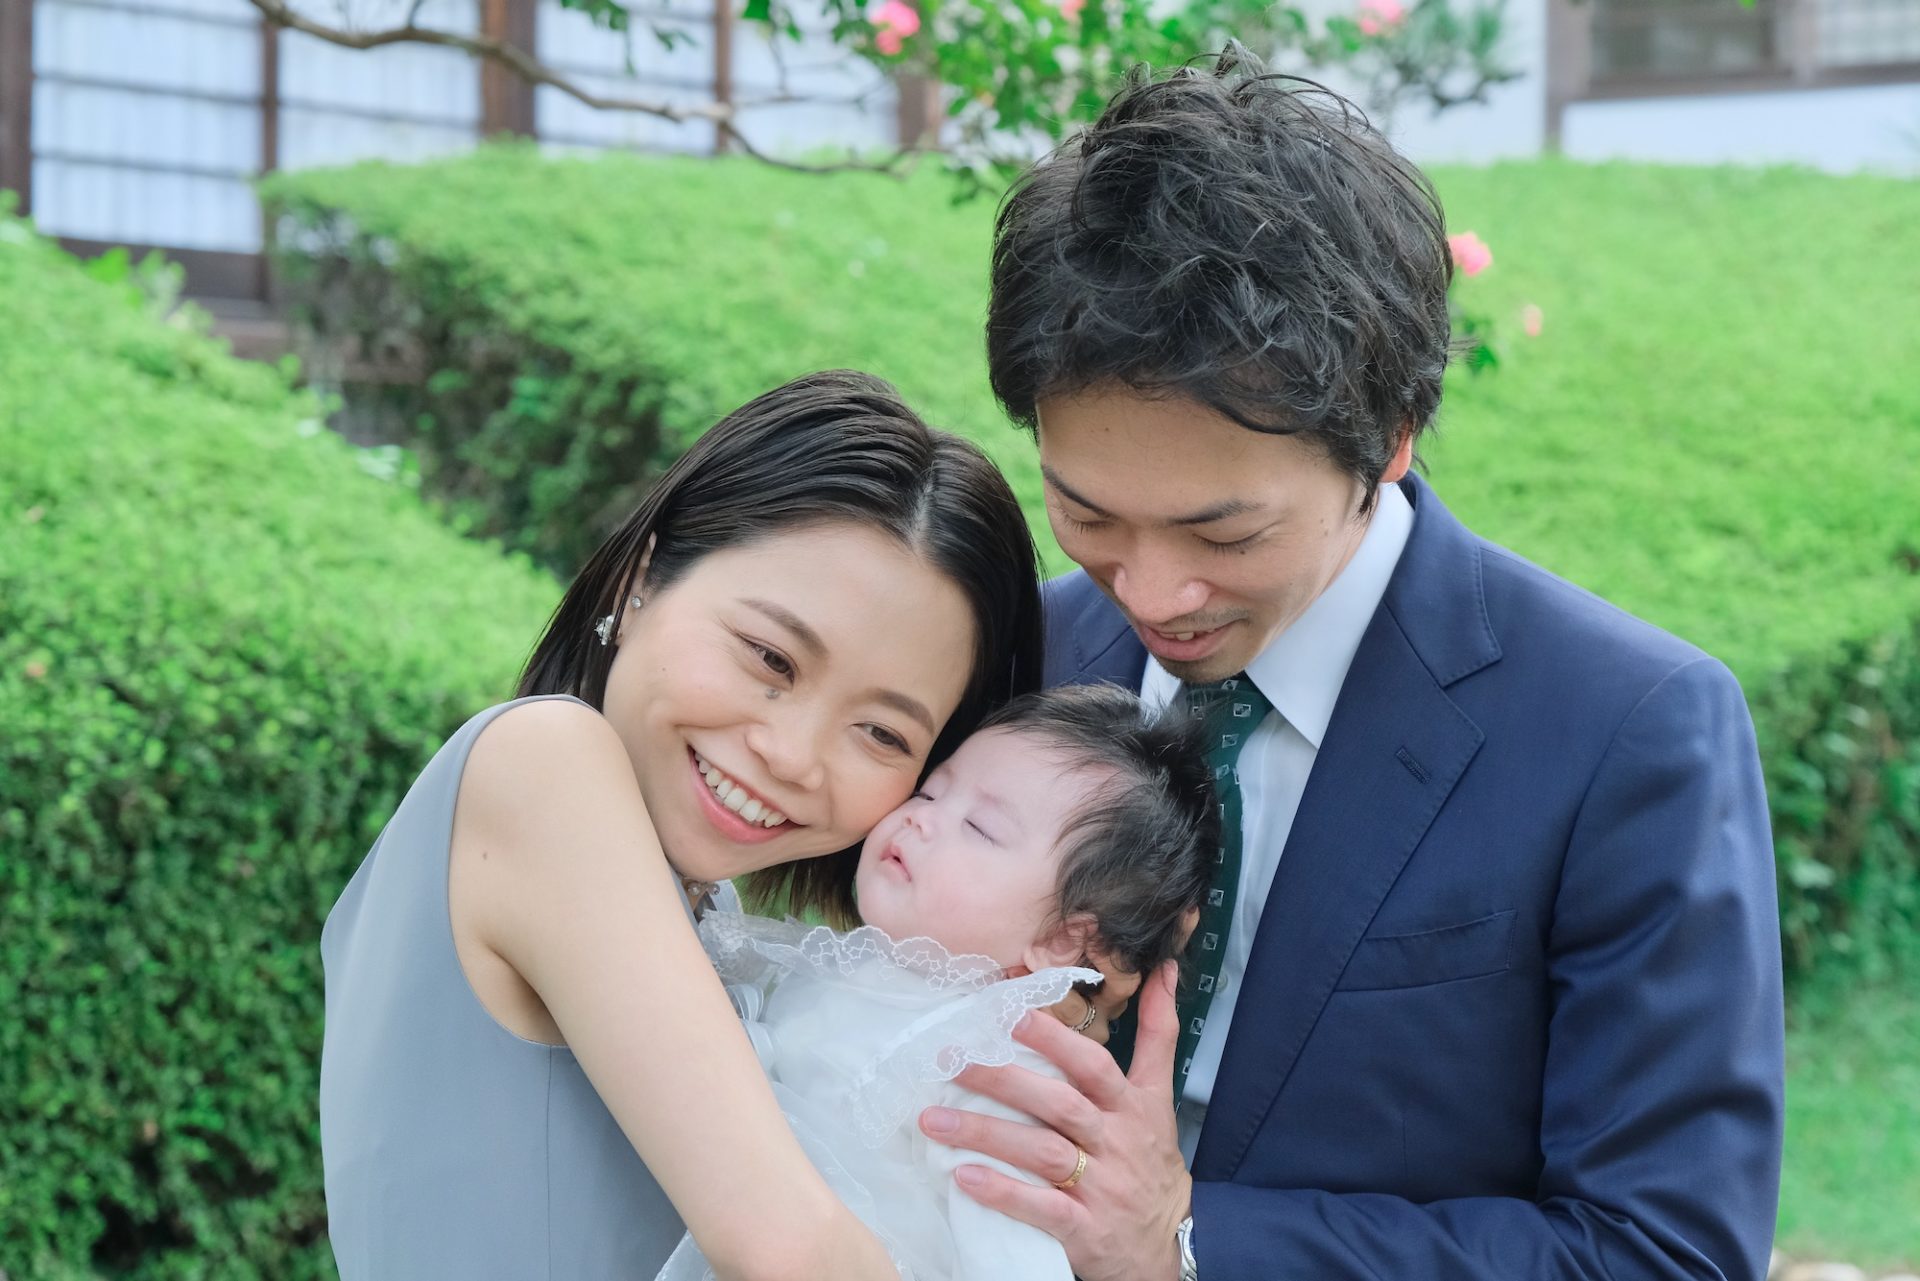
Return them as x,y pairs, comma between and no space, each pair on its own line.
1158,590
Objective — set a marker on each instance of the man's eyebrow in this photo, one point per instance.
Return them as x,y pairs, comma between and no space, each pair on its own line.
808,638
1219,511
1205,516
1053,478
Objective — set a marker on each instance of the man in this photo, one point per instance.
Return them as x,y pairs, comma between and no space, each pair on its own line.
1489,989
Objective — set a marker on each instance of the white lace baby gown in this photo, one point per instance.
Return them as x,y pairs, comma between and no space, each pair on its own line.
859,1033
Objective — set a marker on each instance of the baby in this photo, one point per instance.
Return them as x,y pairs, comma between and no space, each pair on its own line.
1066,825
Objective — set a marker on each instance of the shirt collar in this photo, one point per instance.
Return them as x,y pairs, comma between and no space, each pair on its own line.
1302,669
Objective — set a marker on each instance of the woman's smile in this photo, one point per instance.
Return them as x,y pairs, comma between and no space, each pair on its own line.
733,808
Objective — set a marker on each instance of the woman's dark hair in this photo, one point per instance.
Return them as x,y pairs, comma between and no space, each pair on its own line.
830,447
1139,854
1244,240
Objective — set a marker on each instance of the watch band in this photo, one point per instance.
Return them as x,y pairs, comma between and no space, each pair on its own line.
1189,1267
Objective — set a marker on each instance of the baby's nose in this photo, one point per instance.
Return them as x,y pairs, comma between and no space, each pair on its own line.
920,818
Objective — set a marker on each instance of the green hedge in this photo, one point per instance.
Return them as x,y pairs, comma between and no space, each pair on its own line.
1717,427
570,326
225,650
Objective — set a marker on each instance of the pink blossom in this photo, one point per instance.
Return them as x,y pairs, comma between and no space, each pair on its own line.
1377,17
1070,9
1532,319
1470,253
895,21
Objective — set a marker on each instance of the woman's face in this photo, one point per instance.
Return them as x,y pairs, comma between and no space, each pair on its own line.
782,695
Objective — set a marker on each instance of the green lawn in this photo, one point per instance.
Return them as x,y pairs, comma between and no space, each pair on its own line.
1852,1184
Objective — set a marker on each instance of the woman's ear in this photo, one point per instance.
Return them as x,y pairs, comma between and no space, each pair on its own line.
1064,942
638,598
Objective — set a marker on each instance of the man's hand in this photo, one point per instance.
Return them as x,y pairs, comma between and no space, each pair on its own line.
1118,985
1118,1222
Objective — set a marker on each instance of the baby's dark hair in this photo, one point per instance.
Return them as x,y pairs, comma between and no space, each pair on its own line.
1139,855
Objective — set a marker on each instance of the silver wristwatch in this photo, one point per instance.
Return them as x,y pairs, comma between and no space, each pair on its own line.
1189,1269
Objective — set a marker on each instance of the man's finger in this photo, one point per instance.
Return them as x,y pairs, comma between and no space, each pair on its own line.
1159,1032
1051,1102
1087,1063
1049,1209
1033,1148
1111,997
1072,1008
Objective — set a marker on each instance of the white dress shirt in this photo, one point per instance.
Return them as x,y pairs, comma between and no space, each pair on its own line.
1300,671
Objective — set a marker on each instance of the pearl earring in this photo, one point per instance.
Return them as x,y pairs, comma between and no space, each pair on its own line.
604,628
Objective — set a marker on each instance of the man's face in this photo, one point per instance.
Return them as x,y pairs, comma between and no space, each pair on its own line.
1211,538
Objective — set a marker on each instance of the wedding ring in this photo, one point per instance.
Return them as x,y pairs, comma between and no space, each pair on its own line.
1093,1013
1079,1168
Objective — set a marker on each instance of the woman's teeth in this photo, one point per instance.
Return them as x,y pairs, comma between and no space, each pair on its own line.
735,797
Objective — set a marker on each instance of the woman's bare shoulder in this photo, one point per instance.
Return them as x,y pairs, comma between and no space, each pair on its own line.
545,758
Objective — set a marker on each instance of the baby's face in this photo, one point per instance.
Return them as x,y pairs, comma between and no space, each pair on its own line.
972,860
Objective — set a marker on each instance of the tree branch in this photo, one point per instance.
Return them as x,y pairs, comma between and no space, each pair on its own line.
281,14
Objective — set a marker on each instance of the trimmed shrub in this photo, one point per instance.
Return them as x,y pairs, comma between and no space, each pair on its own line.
225,652
1716,427
563,329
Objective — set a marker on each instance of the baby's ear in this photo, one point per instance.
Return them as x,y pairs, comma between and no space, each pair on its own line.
1066,942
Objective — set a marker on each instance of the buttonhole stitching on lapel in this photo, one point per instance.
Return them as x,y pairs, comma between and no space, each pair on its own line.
1413,767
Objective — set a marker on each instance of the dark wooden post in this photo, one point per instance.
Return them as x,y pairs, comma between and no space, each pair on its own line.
269,149
917,114
269,97
722,68
919,109
16,101
506,100
1569,60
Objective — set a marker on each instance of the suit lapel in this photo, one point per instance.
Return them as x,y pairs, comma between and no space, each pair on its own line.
1102,647
1393,751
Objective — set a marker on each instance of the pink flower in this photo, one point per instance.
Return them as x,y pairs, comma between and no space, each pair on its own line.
1532,319
1377,17
1470,253
895,21
1070,9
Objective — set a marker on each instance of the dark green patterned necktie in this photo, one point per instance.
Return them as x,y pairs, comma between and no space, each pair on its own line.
1231,710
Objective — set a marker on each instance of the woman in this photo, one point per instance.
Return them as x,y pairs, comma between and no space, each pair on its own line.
530,1068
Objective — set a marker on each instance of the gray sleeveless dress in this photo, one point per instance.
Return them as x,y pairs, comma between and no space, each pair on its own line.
452,1147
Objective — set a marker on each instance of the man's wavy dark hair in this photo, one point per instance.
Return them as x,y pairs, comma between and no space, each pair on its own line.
1245,240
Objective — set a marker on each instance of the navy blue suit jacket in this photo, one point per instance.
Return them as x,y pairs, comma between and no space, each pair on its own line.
1513,1012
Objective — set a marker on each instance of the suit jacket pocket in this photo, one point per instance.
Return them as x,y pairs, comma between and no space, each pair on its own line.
1444,955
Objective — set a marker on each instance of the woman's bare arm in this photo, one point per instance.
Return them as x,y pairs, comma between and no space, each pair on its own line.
561,876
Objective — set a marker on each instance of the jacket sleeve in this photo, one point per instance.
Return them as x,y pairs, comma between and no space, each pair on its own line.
1661,1116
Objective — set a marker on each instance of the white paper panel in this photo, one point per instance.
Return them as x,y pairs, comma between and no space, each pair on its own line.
101,202
145,49
153,128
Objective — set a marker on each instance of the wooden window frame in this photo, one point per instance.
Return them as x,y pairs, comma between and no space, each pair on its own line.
1570,66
